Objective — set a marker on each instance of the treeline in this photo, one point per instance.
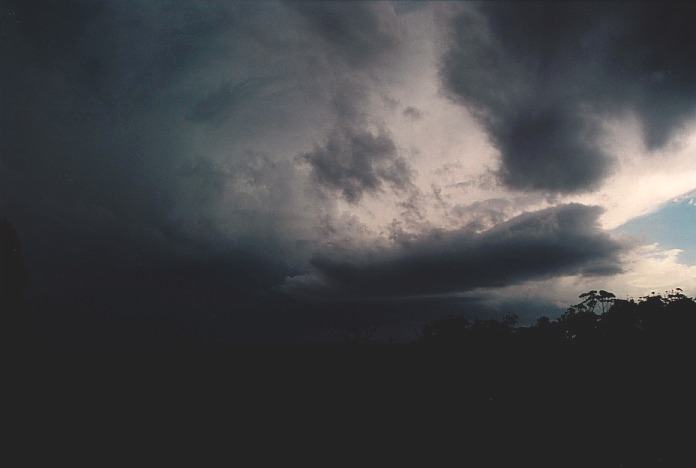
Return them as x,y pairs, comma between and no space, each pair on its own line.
599,319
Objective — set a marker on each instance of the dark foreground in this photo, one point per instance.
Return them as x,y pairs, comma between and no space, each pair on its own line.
473,406
610,383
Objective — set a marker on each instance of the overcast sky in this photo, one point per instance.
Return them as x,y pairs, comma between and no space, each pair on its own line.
273,170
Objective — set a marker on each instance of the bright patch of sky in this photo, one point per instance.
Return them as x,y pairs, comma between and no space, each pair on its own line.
673,226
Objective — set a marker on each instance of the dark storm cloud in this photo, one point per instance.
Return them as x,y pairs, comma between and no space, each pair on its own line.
355,161
148,160
107,164
86,118
564,240
355,31
114,205
102,106
217,105
539,76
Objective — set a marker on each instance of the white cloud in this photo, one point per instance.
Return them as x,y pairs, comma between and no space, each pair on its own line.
643,181
648,268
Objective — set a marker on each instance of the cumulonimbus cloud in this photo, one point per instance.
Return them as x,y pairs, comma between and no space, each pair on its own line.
142,135
563,240
358,32
541,76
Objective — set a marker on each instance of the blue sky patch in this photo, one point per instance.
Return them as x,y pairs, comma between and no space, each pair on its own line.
672,226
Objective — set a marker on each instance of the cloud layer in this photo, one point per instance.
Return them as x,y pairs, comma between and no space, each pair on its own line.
563,240
541,77
203,159
354,162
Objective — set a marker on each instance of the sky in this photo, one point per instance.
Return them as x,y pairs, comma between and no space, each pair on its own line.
292,171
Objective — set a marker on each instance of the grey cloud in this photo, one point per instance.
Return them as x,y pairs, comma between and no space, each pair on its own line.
565,240
99,110
102,172
107,152
483,214
540,76
356,161
358,32
413,113
359,38
217,105
126,165
348,101
89,115
404,7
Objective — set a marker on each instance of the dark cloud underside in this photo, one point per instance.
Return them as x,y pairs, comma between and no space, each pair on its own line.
355,31
565,240
539,76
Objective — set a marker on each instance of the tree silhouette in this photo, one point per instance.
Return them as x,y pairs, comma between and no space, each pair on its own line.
599,319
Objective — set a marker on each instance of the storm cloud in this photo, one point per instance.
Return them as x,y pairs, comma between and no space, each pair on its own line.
564,240
355,162
358,32
540,77
167,122
212,162
139,138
